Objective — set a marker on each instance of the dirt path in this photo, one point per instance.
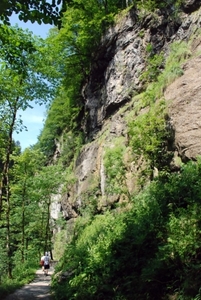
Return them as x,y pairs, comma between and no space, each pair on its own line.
37,289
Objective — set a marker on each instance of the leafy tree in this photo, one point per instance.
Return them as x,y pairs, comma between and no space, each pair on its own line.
31,190
33,10
23,209
21,81
71,50
52,12
45,185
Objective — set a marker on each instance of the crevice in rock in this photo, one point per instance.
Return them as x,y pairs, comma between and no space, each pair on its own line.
114,107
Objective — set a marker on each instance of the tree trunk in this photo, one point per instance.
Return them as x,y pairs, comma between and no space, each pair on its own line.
4,178
6,184
8,236
23,222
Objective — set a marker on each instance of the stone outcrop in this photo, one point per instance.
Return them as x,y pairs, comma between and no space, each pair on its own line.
114,79
119,63
184,95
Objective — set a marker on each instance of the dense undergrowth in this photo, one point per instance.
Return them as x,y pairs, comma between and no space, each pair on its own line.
148,251
23,273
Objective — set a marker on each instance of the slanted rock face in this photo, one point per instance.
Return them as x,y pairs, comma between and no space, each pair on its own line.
119,63
114,78
184,95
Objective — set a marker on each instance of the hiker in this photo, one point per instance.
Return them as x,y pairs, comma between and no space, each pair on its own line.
46,263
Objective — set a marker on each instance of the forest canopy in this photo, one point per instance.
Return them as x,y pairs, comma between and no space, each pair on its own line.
33,10
51,11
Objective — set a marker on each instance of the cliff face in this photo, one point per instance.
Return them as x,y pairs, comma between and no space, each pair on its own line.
119,63
185,109
114,79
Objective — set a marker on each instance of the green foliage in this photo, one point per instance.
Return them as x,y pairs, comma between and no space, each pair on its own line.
72,143
154,66
23,274
115,167
22,80
61,119
35,10
151,5
71,50
146,252
161,78
31,186
59,240
23,213
93,245
179,52
149,135
90,201
162,73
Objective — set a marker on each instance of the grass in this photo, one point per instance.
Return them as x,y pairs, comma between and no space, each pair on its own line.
24,276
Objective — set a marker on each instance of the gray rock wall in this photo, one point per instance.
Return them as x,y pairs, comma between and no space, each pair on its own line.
114,79
119,63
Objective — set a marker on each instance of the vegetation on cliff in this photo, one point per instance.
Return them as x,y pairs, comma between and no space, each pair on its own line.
147,248
148,251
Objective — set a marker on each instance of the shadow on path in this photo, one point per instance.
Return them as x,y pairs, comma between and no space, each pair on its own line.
39,288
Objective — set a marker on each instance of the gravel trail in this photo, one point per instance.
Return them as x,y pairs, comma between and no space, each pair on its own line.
39,288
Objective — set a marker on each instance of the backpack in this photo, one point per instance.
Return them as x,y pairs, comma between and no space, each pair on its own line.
42,263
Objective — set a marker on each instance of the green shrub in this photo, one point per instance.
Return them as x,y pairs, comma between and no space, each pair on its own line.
115,168
148,136
150,250
154,66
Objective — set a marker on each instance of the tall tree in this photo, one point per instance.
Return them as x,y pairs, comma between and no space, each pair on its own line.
24,208
22,81
45,185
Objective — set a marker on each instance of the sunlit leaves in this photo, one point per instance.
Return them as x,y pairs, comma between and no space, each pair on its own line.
153,243
115,167
22,78
148,135
69,52
32,10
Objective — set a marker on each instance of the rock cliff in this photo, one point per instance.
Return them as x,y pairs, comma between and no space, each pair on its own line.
108,93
